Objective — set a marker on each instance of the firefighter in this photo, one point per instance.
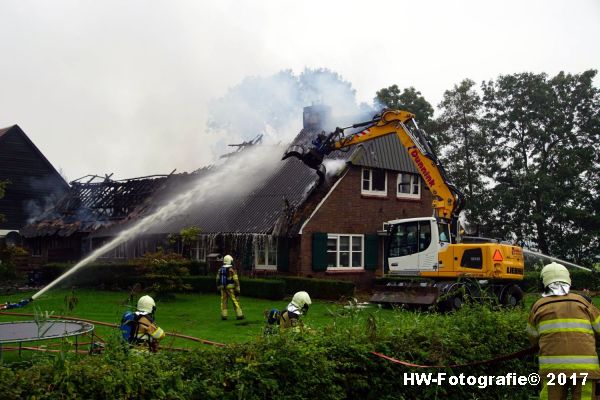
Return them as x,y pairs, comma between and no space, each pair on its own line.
290,318
565,326
229,284
148,333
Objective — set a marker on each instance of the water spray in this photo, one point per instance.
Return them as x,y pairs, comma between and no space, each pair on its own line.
550,258
239,174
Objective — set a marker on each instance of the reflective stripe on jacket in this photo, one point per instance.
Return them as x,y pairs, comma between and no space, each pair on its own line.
148,330
227,277
566,329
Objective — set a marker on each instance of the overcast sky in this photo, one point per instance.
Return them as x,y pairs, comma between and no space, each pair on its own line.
125,86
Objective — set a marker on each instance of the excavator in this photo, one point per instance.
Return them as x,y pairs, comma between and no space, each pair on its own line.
430,261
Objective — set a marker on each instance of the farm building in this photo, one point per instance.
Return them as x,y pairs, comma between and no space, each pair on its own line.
287,225
33,184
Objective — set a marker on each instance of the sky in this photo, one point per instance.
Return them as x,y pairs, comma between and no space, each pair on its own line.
126,86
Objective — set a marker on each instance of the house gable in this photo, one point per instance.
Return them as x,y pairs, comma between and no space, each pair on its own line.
33,181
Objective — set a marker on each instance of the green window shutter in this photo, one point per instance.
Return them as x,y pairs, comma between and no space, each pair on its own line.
371,252
283,254
319,251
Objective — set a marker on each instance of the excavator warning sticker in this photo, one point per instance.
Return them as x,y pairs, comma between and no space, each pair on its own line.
498,256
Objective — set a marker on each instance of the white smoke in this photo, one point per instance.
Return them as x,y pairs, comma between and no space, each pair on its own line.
272,106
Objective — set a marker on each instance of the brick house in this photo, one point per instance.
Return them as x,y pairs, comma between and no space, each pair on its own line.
289,224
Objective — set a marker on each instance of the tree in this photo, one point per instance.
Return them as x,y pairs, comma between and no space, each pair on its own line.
465,149
409,100
544,153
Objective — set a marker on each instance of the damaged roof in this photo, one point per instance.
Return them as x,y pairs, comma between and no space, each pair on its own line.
268,209
93,204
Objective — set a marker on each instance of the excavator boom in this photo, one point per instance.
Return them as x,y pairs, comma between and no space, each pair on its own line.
447,199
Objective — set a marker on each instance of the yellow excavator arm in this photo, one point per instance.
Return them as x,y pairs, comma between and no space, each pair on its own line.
447,199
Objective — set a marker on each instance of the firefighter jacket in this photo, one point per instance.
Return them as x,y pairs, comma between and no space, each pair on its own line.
148,332
566,329
227,278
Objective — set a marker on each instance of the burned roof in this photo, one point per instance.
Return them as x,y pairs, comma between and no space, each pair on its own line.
269,208
93,202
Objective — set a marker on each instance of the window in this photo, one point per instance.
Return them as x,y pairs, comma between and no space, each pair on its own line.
345,251
199,248
410,238
408,186
36,247
374,182
120,251
265,252
403,241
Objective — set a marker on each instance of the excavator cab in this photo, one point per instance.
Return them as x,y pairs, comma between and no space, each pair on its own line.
413,245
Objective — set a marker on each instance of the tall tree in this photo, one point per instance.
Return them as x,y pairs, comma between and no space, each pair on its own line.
465,149
409,99
545,149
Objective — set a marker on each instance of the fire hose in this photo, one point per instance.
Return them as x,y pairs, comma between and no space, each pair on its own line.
22,303
173,334
517,354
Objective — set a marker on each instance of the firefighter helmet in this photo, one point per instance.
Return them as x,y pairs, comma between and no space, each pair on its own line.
227,260
302,301
555,272
146,304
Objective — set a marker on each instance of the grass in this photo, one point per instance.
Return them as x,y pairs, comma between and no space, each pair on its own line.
196,315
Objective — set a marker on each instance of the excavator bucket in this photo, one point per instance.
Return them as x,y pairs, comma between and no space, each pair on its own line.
312,158
405,294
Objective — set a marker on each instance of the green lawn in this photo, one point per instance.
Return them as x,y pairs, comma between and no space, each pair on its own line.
196,315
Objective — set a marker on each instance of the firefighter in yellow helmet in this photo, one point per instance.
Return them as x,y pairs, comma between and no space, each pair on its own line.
290,318
565,326
147,333
229,284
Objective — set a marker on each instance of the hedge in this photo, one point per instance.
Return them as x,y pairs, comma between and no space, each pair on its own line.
334,363
272,289
125,275
320,288
580,280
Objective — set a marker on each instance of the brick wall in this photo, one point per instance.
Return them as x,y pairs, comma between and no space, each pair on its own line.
347,211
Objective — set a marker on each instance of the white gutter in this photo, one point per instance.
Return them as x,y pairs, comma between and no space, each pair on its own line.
323,201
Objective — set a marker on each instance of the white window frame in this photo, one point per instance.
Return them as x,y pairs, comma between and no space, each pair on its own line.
415,182
370,191
337,236
267,240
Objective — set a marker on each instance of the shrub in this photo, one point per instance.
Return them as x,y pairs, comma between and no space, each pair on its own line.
272,289
320,288
580,280
335,363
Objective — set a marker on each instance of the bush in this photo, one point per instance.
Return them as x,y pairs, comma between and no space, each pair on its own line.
580,280
320,288
335,363
94,275
272,289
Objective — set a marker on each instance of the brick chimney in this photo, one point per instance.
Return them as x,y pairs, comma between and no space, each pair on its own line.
316,117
